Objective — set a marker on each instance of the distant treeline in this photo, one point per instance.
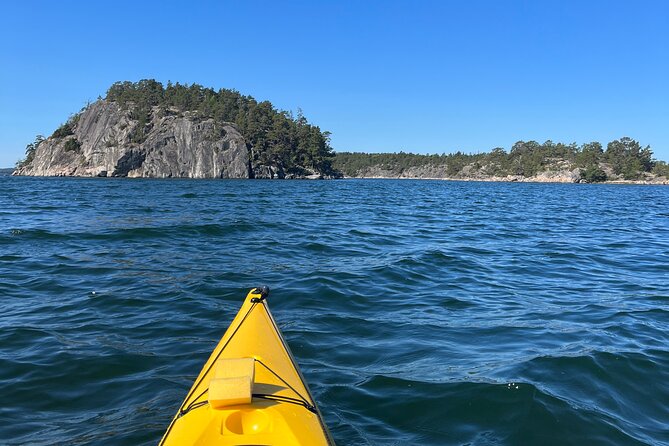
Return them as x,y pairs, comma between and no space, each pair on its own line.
276,137
625,157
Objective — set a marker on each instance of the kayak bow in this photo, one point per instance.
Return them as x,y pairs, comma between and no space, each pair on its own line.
250,390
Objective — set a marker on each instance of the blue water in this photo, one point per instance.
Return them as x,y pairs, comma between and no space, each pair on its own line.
420,312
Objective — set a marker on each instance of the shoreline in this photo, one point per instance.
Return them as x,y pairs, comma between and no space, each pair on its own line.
534,180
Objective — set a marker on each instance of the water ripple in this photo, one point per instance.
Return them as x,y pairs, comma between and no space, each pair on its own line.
421,312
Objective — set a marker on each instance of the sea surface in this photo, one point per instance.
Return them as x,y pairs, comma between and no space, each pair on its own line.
420,312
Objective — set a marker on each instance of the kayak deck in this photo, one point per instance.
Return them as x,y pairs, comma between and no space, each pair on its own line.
250,390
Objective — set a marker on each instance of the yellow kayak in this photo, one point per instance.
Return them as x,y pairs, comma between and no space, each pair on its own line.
250,391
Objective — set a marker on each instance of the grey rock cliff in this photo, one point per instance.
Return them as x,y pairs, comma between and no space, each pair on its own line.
173,145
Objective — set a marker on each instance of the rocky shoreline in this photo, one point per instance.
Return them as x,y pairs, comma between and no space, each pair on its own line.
561,176
544,177
656,182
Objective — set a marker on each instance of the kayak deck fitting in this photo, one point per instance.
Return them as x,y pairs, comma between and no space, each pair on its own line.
250,391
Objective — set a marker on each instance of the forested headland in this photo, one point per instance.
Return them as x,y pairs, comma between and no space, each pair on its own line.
623,159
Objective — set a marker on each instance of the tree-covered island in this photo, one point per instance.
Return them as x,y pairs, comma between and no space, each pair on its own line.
146,129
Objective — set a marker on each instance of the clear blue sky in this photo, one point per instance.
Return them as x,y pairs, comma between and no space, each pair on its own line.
420,76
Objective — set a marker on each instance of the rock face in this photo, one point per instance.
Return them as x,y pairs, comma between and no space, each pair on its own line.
105,142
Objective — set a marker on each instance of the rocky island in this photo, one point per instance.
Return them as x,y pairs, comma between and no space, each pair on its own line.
144,129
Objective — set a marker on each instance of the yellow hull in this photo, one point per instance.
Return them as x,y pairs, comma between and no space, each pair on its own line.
266,404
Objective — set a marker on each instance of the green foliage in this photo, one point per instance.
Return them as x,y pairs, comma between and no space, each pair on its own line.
661,168
147,92
352,163
30,152
529,158
67,129
276,138
590,154
593,174
628,159
142,115
63,131
72,145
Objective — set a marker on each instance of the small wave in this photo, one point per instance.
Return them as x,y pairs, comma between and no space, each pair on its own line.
612,386
35,234
167,232
513,412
